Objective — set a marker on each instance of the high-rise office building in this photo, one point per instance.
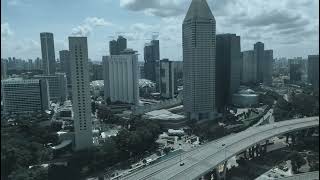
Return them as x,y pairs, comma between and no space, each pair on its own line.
38,64
267,68
57,86
4,67
295,69
249,67
81,102
178,75
227,68
122,44
313,71
25,95
65,64
199,59
167,78
151,61
121,77
48,53
259,58
117,46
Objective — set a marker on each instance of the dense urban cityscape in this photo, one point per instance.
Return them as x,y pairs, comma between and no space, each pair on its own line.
220,112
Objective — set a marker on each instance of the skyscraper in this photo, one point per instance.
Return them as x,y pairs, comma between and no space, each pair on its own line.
113,47
151,61
249,67
295,69
117,46
259,58
199,59
121,77
81,103
313,71
65,64
227,68
167,78
122,44
267,68
48,53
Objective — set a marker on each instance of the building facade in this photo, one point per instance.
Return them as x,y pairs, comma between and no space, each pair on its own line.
25,95
268,67
167,78
249,67
57,86
295,70
121,78
65,64
81,102
259,58
151,61
227,68
313,71
48,53
117,46
4,67
199,59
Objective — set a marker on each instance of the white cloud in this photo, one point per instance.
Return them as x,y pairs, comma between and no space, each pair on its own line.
88,25
5,31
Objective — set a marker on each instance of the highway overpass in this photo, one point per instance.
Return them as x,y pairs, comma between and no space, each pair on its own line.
202,160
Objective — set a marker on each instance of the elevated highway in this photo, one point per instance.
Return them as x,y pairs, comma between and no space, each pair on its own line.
303,176
202,160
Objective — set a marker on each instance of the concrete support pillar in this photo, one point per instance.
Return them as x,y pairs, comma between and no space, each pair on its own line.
222,175
245,155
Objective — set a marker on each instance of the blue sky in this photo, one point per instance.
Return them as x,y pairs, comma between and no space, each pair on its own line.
290,28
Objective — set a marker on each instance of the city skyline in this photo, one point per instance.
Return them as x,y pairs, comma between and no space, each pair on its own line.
289,30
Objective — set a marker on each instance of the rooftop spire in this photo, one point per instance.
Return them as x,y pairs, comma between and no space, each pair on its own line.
199,9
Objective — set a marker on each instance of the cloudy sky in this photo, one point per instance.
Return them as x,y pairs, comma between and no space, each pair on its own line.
290,28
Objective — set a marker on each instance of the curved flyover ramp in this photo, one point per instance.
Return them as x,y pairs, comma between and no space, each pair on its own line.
202,160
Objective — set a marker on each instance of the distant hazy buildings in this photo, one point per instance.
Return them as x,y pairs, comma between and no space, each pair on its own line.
267,70
227,68
25,96
121,77
151,61
57,86
81,102
48,53
313,70
249,67
65,63
199,59
167,78
117,46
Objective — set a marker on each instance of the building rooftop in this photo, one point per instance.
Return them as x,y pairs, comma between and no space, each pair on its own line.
199,9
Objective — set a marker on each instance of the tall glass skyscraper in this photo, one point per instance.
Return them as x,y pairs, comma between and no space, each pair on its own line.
48,54
199,59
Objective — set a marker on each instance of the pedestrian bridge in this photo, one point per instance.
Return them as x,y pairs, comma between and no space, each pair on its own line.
202,160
